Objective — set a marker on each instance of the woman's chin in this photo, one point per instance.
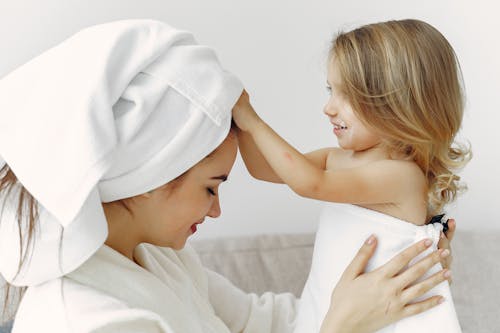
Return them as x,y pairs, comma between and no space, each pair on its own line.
177,245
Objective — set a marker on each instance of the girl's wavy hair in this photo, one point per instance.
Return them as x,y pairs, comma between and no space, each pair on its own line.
404,81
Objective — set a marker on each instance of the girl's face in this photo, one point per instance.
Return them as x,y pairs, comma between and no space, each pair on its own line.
351,133
171,213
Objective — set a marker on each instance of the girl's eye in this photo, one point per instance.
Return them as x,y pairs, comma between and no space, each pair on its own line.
329,89
212,192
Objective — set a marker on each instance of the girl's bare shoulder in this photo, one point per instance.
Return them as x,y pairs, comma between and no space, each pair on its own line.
408,172
337,158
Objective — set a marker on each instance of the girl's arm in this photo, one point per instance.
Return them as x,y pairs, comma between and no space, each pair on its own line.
380,182
258,166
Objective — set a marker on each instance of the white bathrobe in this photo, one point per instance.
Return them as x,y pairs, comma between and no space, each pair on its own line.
171,293
342,230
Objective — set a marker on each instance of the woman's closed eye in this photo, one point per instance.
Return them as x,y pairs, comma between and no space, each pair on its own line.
211,191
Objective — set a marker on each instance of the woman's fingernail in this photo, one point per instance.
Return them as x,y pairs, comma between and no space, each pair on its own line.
370,240
441,300
445,253
447,274
428,242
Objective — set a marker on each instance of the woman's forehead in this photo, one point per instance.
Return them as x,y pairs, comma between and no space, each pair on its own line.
221,159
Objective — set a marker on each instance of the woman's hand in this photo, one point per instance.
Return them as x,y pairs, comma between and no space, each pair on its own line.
244,115
365,302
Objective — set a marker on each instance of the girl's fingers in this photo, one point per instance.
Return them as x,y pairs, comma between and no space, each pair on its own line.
358,264
418,307
422,287
397,263
416,271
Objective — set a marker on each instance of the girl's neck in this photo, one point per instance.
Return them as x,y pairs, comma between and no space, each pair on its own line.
374,153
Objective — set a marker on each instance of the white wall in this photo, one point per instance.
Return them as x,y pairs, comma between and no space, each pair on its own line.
278,48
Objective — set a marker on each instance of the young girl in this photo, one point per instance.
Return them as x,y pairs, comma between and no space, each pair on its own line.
395,105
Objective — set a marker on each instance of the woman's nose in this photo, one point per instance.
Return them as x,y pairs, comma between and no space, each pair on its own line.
215,210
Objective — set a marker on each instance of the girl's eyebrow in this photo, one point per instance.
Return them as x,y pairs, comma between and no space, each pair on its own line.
221,177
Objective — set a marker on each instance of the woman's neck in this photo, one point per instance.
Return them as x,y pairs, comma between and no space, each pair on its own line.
121,230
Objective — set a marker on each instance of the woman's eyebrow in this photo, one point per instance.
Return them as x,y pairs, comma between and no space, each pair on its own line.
221,177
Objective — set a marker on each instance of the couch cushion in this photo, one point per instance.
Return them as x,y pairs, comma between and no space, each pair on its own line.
277,263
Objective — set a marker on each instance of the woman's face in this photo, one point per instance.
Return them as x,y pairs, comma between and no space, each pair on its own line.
351,132
171,213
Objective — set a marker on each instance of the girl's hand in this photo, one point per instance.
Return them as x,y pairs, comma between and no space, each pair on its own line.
366,302
445,243
244,115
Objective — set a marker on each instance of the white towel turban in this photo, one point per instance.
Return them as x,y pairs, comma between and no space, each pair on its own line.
114,111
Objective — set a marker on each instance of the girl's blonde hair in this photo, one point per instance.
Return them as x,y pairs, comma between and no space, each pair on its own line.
403,80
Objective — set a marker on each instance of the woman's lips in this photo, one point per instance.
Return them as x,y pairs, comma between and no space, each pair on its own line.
194,226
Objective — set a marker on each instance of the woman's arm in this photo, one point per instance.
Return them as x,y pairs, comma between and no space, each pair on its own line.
357,307
249,312
378,182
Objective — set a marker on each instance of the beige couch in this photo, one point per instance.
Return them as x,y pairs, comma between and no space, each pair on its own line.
280,263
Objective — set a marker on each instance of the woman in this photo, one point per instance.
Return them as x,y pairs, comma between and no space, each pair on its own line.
131,124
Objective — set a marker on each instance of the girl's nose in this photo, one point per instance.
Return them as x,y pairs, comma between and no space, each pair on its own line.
329,109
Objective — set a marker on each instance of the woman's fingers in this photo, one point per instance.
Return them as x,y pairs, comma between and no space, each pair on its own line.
422,287
418,307
365,302
416,271
445,242
452,226
358,264
397,263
